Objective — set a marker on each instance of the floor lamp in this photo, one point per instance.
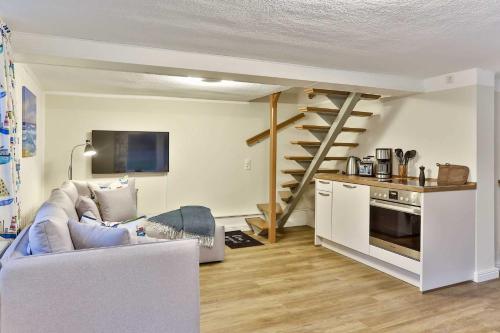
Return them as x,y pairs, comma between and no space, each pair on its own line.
87,151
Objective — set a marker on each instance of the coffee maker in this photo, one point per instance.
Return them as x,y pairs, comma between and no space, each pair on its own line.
384,163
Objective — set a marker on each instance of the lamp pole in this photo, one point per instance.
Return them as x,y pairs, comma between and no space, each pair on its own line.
89,151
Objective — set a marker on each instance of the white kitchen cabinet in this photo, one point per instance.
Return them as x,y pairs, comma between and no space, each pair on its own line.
351,214
323,214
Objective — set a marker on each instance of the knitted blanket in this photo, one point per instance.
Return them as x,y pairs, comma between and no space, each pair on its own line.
186,222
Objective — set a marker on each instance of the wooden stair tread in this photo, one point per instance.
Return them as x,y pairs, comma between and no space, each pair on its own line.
309,158
293,183
258,222
302,171
311,92
286,196
323,128
317,143
334,111
264,207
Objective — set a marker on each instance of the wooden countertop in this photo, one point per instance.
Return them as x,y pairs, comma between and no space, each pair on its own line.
405,184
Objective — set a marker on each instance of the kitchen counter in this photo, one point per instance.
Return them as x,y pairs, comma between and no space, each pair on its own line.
405,184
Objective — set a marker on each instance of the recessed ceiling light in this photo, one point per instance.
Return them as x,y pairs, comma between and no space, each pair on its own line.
211,80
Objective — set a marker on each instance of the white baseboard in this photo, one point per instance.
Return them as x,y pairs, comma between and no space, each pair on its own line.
486,275
299,217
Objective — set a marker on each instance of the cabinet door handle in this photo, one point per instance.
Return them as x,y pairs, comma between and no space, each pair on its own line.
323,182
348,186
324,194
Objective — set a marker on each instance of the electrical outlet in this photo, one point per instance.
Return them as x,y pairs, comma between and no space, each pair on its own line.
247,164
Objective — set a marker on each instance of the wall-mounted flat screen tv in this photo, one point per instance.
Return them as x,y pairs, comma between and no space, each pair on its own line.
124,151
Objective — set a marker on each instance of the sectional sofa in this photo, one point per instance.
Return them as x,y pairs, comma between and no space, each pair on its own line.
152,286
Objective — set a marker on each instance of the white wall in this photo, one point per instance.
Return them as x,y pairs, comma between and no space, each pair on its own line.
207,147
31,191
497,174
438,125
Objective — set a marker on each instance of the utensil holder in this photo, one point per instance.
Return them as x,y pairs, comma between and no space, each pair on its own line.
403,171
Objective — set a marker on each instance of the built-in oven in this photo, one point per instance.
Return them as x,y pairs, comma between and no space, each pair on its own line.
395,221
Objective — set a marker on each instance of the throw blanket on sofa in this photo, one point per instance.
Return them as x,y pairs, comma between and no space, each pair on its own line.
186,222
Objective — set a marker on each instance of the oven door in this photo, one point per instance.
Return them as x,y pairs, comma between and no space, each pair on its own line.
395,227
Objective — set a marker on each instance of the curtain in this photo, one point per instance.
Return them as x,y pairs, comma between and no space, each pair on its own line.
9,140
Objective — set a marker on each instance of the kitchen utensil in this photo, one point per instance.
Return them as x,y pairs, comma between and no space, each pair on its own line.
411,155
352,165
421,177
399,155
449,174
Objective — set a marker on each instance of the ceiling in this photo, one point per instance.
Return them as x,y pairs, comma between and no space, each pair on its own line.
84,80
419,38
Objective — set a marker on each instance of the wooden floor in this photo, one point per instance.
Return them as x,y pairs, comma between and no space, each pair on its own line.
293,286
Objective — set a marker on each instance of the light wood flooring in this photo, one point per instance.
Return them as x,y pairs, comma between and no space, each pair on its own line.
293,286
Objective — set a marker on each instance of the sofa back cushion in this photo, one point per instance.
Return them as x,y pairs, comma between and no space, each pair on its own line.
92,235
70,189
49,232
85,204
83,188
60,199
116,205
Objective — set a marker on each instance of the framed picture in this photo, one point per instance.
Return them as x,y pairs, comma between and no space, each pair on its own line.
29,123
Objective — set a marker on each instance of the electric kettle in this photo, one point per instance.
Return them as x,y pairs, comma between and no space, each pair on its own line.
352,165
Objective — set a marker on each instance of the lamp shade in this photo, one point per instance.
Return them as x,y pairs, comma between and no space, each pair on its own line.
89,149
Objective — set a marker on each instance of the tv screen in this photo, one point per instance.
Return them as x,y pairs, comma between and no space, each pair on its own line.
123,151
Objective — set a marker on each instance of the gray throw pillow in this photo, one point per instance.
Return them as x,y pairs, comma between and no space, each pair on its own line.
49,232
70,189
91,235
116,205
85,204
59,198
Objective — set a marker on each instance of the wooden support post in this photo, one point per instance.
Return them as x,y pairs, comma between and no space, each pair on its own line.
273,111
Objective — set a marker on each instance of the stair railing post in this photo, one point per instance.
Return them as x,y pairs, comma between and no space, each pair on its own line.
273,119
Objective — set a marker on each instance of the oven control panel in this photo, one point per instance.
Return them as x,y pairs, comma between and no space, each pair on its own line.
400,196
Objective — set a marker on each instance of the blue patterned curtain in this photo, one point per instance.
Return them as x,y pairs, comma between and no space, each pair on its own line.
9,140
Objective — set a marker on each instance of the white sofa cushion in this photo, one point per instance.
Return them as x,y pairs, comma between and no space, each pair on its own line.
92,235
83,188
116,205
49,232
70,189
59,198
85,204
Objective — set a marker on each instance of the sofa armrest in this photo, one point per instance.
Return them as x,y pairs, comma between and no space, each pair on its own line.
138,288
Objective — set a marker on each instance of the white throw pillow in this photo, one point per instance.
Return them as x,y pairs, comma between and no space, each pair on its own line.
116,205
85,204
87,236
124,182
49,232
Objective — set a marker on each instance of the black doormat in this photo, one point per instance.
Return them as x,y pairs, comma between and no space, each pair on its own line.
238,239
